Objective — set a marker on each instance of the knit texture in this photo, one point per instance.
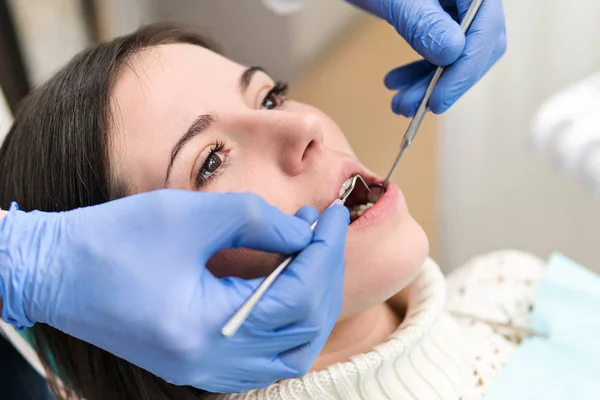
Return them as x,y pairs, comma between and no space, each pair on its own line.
450,345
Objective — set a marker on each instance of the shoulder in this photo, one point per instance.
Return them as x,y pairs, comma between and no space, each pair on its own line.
500,286
495,269
487,297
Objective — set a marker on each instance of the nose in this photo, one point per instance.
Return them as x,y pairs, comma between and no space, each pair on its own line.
293,140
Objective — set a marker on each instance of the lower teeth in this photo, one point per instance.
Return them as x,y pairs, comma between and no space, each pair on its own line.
357,211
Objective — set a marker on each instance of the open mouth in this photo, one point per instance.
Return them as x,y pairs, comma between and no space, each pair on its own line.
358,201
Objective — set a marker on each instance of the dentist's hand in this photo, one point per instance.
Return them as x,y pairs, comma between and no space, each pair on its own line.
129,276
431,28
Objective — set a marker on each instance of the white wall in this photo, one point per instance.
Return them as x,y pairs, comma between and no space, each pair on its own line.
52,31
251,34
496,191
316,25
120,17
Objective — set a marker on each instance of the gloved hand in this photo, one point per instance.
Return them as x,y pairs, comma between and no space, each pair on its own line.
432,30
129,276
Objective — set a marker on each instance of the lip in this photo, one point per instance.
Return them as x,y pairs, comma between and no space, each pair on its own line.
385,205
350,170
380,210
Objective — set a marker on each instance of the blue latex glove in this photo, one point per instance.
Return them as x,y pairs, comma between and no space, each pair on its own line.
431,28
129,276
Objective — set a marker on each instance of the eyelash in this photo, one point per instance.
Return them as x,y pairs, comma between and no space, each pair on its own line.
278,92
204,176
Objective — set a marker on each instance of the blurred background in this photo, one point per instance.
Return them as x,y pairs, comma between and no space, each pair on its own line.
472,178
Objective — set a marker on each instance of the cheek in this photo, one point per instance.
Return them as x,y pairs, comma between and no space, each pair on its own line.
257,174
380,264
334,139
243,263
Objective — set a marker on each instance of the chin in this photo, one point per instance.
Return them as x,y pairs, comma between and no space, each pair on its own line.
382,255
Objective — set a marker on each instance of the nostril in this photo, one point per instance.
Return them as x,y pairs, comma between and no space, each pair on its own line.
311,145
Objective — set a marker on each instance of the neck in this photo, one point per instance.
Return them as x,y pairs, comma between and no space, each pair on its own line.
357,335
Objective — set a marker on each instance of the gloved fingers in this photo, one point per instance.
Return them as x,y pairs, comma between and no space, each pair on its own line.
247,373
280,339
264,330
248,221
408,74
429,29
424,24
314,329
308,214
463,6
486,40
267,369
460,77
233,386
409,96
298,292
498,52
411,93
451,8
302,357
282,371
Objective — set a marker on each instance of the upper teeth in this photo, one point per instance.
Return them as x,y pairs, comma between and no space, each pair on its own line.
345,186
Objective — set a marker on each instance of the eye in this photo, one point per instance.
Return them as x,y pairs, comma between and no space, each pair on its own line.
214,161
275,98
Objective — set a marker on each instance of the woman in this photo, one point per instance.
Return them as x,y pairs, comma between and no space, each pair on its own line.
161,108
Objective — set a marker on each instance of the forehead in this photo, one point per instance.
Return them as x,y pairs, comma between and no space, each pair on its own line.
157,77
156,96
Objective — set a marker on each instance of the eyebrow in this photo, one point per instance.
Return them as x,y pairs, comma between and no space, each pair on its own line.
204,121
200,124
246,77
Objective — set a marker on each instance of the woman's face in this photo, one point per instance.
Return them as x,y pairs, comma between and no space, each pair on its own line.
187,118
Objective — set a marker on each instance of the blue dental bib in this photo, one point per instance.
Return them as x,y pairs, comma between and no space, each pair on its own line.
566,363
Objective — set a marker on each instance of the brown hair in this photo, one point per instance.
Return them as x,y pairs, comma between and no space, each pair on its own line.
56,158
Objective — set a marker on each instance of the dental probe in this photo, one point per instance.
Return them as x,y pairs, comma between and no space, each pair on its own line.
415,123
232,326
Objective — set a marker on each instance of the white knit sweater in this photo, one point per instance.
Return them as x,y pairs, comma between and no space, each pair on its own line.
454,339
